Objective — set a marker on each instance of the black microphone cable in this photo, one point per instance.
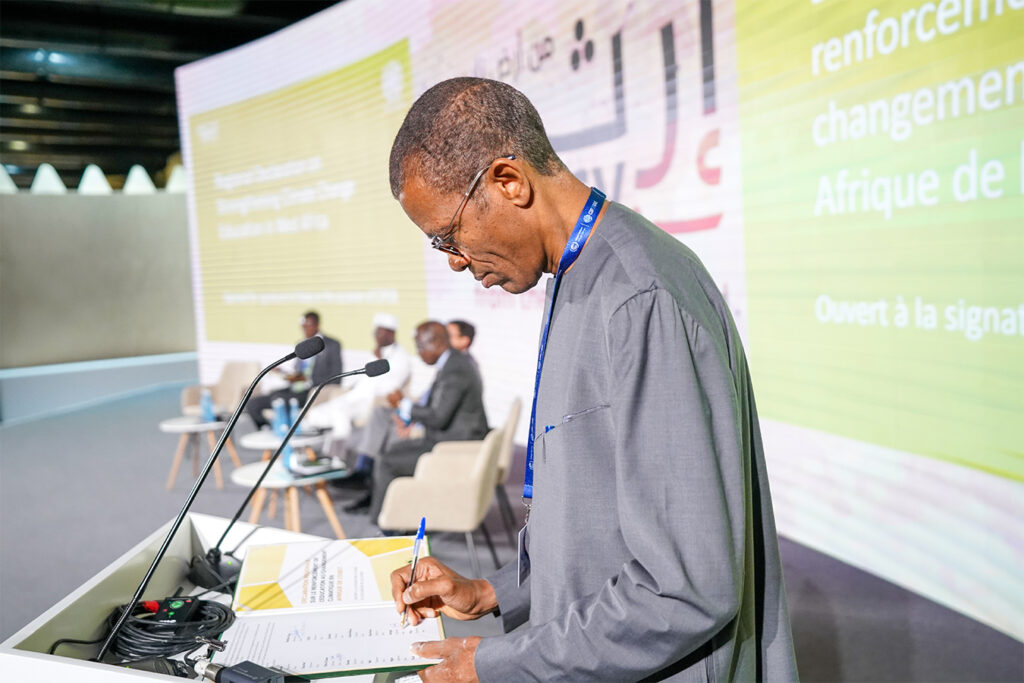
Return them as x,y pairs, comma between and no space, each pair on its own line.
143,636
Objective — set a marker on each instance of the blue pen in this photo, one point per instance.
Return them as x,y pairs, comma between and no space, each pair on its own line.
415,559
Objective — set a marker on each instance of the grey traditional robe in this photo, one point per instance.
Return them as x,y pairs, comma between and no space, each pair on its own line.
652,540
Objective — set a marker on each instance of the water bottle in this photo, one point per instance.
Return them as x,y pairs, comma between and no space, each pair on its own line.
206,411
293,411
280,422
280,425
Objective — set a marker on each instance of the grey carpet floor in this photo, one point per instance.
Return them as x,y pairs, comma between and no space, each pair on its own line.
79,489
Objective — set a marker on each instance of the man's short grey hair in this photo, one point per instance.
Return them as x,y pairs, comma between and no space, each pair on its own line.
459,125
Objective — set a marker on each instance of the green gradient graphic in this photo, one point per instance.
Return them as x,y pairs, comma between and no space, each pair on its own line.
951,390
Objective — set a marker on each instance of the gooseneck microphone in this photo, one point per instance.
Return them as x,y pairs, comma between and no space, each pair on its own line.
209,571
303,350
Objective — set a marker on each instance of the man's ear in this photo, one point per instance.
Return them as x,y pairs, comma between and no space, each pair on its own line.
512,181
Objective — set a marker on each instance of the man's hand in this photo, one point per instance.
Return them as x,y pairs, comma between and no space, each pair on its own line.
394,398
456,655
402,430
439,590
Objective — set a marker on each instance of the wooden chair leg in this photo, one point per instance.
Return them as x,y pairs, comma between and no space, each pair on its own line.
194,438
328,505
233,453
286,511
176,463
257,505
217,474
293,502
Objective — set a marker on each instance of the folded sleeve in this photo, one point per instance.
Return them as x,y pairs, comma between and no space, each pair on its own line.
680,498
513,599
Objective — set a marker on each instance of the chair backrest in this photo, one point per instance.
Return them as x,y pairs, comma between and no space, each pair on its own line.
507,448
459,496
190,399
235,377
485,472
329,393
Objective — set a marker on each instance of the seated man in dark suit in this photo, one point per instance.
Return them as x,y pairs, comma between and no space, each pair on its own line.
305,374
451,410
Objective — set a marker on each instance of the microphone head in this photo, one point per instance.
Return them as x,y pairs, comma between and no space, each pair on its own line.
307,348
377,367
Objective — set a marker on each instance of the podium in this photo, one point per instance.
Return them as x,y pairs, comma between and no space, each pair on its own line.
83,614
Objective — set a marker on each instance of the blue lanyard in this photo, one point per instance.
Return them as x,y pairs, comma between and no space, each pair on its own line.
580,233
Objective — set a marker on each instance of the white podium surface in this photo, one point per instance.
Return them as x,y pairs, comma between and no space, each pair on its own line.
83,614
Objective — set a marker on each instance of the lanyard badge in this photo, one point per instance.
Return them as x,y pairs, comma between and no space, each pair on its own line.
580,233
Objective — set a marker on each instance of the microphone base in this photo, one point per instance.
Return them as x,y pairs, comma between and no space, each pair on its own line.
214,570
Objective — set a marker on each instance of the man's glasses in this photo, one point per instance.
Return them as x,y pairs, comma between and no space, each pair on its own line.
445,240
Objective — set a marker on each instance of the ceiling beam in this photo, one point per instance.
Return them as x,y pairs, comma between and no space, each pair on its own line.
58,141
33,41
34,117
83,68
76,96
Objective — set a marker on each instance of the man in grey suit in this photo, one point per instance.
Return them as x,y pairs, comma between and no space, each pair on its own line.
452,409
651,551
305,375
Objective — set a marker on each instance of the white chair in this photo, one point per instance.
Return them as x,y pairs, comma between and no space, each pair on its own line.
235,378
506,451
452,496
467,450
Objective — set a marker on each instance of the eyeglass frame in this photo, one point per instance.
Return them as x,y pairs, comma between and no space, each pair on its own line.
443,241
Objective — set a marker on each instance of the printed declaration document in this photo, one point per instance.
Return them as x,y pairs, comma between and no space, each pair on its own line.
324,608
327,641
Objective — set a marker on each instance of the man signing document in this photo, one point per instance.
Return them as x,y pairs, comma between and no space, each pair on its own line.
650,551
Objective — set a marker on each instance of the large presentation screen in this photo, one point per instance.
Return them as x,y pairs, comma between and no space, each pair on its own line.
852,174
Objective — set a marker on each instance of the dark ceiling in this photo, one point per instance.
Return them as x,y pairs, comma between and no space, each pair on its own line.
92,81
